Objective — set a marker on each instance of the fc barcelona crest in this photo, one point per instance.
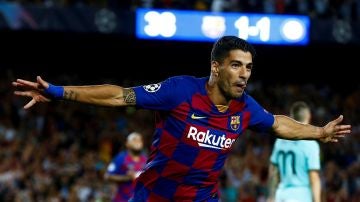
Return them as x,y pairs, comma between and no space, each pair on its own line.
235,122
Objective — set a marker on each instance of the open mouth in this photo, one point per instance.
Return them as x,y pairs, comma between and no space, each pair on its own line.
241,85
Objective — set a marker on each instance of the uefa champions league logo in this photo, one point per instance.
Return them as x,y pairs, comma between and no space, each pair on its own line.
152,88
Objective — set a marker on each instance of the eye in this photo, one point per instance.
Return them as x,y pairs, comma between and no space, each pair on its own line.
235,65
249,67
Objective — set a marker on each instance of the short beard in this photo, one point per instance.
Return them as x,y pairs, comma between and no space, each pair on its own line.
135,152
228,96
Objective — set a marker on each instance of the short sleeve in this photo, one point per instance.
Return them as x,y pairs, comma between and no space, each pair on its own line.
260,119
114,168
161,96
312,151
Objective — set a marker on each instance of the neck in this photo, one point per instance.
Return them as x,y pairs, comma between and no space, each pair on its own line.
215,94
135,157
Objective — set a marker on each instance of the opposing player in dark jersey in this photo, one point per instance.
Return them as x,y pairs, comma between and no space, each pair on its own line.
197,121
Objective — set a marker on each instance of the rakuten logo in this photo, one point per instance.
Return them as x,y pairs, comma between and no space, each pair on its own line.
205,139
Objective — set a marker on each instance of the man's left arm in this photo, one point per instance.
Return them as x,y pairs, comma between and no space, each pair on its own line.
287,128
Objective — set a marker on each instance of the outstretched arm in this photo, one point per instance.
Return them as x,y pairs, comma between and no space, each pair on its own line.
104,95
287,128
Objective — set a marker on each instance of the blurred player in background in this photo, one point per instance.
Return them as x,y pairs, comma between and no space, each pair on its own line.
294,172
197,121
126,167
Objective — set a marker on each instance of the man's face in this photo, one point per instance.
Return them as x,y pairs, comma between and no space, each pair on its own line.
135,143
234,72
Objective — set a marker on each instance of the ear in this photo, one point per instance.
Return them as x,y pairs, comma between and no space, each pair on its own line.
215,68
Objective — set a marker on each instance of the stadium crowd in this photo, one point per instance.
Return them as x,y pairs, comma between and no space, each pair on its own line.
344,9
59,151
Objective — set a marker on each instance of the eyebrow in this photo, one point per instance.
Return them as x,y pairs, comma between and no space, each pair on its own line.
240,62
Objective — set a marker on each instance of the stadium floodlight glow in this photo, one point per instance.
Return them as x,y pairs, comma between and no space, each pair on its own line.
293,30
185,25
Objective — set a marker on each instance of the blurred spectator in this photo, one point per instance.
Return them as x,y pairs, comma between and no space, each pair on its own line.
126,167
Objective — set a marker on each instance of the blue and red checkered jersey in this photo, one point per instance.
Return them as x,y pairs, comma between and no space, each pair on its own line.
192,138
120,165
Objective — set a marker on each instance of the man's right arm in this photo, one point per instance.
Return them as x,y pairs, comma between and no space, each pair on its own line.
315,185
130,176
273,182
103,95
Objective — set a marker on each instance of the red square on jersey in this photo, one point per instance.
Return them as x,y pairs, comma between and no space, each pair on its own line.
205,159
172,170
186,191
167,144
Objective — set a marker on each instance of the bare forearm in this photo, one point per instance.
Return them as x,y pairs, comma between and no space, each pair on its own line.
315,186
273,181
118,178
287,128
104,95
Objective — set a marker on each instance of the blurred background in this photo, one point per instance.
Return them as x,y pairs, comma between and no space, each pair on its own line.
59,151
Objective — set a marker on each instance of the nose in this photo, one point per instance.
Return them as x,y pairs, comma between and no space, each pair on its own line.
244,73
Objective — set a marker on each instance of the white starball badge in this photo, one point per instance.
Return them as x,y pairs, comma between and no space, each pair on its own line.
151,88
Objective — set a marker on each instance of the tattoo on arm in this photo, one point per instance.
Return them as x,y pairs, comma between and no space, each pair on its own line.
70,95
129,96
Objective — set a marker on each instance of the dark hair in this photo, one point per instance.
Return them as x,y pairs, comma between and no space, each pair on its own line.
225,44
296,108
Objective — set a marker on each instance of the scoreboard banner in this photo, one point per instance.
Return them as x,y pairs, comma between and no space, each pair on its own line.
209,26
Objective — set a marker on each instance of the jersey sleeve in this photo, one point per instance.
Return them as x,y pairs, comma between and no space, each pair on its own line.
273,158
260,119
114,168
161,96
312,151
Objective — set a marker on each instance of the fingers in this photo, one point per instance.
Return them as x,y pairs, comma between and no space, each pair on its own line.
16,84
42,98
343,127
30,104
35,92
42,82
27,83
23,93
339,136
343,132
338,120
36,97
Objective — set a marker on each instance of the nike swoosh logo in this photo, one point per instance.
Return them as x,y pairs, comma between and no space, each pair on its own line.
193,116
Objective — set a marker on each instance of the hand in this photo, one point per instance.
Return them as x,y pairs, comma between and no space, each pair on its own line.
35,90
332,131
131,174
